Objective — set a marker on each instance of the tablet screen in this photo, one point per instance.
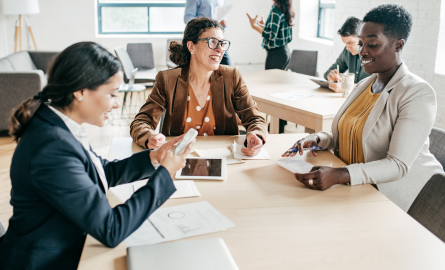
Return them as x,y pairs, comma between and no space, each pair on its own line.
202,167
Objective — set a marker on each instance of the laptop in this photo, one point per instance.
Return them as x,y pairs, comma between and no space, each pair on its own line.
322,83
184,255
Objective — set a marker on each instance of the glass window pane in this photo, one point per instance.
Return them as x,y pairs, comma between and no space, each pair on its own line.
124,19
167,19
327,23
327,1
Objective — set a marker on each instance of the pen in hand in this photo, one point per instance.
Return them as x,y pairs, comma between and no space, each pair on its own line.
310,148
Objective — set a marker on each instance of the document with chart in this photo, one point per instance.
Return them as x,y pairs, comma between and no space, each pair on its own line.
177,222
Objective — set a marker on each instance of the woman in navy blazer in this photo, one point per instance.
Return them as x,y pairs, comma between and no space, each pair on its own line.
58,184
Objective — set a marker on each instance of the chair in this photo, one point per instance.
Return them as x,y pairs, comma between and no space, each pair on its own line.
22,75
169,63
429,206
141,77
304,62
141,54
437,144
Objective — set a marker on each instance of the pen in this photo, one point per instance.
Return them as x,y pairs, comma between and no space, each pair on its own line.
310,148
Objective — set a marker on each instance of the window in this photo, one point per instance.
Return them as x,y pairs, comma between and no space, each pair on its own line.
326,10
140,17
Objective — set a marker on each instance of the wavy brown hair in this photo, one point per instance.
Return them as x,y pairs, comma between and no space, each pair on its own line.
179,53
285,6
84,65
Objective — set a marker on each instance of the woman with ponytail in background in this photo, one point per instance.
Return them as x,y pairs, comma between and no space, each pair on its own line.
200,93
276,33
59,184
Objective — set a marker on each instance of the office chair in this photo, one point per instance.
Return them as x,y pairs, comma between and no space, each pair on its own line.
141,54
141,76
304,62
437,144
429,206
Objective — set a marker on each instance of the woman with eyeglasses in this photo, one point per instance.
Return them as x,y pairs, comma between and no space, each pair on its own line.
200,93
276,33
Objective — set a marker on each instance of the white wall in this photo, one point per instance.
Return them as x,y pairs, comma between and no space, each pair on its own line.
63,22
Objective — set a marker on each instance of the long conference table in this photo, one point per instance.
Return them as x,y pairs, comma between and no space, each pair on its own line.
281,224
315,112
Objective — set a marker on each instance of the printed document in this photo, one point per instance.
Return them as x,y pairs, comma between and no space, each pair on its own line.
219,153
236,149
177,222
295,166
221,12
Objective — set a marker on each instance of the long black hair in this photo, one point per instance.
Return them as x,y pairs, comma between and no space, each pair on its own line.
285,6
84,65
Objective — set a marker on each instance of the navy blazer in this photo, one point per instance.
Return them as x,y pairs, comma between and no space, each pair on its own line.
58,199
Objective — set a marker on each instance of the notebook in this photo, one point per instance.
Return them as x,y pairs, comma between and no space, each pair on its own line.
185,255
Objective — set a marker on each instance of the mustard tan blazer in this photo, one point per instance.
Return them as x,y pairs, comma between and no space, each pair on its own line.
169,95
395,138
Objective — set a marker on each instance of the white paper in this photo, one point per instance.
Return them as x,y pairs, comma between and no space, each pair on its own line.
177,222
292,95
295,166
184,189
219,153
236,149
221,12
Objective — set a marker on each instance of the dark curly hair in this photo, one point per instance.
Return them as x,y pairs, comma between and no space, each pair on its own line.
351,27
396,20
179,53
285,6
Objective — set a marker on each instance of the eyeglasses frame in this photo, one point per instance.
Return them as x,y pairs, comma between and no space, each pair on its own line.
217,45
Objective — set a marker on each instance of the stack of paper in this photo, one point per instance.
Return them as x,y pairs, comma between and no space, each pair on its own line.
236,149
177,222
295,166
184,189
219,153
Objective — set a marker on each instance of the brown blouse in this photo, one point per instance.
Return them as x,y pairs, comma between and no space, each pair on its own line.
201,119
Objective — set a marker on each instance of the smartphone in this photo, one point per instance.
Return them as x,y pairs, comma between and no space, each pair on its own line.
188,137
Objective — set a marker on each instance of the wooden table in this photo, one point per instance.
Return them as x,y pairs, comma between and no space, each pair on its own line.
283,225
315,112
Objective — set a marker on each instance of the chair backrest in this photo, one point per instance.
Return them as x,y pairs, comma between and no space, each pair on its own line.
437,145
304,62
168,62
429,206
141,54
127,64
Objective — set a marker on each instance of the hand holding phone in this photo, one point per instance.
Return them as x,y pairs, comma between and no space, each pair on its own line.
188,137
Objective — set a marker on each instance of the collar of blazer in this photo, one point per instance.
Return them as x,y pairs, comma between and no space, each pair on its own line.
51,117
180,100
376,110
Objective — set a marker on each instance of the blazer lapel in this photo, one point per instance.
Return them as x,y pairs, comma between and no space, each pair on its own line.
217,86
381,103
179,102
51,117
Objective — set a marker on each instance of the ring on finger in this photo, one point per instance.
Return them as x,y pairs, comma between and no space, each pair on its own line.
311,182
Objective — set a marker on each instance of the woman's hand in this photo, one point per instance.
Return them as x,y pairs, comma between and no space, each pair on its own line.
173,163
157,155
306,142
223,23
257,25
156,141
324,177
254,144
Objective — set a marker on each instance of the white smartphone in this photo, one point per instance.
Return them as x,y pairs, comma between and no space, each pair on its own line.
188,137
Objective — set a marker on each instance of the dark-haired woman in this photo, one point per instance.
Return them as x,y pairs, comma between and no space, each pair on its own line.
200,93
381,132
276,33
59,184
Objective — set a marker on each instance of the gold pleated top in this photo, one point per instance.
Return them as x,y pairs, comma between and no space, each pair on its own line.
350,127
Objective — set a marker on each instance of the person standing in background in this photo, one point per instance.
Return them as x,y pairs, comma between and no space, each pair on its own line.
349,59
277,33
206,8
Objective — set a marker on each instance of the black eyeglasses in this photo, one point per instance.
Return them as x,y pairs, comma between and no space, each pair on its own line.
214,43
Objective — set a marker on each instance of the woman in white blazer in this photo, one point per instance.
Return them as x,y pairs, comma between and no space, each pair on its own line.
390,147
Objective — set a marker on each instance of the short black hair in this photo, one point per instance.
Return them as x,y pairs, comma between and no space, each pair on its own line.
350,27
396,20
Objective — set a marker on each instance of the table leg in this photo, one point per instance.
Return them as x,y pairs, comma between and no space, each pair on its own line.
274,125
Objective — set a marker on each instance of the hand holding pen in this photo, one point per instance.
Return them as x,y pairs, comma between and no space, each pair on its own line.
307,143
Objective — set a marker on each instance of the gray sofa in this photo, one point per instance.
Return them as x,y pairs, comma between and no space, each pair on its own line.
22,75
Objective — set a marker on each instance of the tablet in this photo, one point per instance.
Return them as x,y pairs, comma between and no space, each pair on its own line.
322,83
200,168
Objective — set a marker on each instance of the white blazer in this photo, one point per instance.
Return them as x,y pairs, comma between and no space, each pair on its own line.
395,138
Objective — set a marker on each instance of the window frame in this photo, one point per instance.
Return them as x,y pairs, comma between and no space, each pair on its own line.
135,4
321,7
